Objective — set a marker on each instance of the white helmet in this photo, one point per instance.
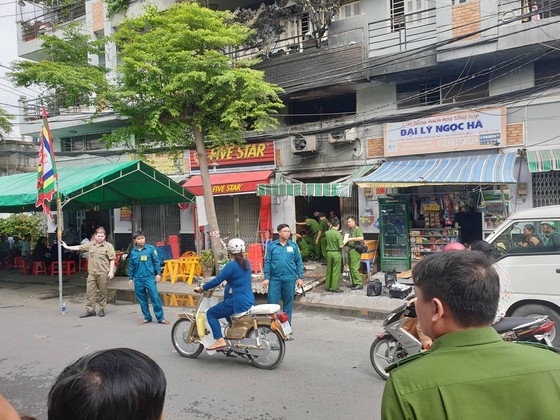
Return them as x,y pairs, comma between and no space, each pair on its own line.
236,246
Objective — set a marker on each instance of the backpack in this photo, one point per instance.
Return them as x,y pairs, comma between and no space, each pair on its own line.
374,288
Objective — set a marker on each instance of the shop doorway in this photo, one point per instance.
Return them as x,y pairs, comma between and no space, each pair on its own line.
306,206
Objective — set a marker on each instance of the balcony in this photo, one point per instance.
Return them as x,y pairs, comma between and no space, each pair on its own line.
53,16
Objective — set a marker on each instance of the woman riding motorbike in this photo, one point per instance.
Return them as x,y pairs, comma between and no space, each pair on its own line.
238,292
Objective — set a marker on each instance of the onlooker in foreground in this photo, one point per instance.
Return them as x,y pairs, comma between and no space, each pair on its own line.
283,268
120,383
469,371
144,272
101,267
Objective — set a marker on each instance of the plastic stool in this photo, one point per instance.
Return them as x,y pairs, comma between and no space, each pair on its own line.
68,267
39,267
83,264
53,268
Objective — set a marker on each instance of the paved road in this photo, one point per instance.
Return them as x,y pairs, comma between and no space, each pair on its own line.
326,373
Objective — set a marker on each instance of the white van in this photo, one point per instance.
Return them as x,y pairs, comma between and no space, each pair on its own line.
528,245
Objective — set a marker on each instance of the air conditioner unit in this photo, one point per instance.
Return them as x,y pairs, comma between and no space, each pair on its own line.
304,146
343,136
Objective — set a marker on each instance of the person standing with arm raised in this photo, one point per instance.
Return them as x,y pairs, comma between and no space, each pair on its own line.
283,269
101,267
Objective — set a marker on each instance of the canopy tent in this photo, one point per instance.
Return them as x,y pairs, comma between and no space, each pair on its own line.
105,186
544,160
479,169
339,188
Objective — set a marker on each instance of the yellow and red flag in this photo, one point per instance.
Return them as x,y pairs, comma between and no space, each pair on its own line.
46,171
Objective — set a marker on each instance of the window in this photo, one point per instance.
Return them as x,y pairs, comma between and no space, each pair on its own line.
397,15
411,95
546,72
82,143
321,109
349,10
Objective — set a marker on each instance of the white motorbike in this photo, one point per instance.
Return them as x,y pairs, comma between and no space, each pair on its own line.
259,335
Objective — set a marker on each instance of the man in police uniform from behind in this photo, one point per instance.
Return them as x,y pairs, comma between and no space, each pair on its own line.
469,371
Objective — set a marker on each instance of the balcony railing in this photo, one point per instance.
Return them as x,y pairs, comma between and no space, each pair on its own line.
32,108
402,33
55,15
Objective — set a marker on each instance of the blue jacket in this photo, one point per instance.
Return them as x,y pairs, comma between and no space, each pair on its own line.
283,263
143,263
240,283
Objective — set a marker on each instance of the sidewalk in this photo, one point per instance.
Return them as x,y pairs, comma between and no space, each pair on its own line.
353,303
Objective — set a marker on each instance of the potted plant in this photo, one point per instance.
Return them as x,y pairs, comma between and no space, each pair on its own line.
207,262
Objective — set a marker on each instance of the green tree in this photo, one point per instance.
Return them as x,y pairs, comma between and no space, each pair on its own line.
67,70
23,224
5,125
178,87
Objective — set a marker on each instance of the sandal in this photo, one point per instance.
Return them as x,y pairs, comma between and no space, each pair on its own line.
215,347
144,322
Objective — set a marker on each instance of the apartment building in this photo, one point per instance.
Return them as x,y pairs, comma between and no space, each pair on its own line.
390,84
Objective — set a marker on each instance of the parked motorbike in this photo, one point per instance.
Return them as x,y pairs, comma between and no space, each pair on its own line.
259,335
399,340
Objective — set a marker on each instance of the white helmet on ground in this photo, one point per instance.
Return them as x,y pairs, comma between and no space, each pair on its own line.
236,246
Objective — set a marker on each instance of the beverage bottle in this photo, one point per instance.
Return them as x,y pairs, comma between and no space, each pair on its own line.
63,309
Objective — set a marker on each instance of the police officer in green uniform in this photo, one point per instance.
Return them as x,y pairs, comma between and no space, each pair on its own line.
354,256
321,238
314,228
334,256
469,371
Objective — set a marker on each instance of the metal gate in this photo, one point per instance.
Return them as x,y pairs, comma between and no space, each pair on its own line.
546,188
349,207
159,222
238,215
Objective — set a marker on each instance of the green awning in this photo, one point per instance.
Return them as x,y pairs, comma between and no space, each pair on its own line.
106,186
333,189
543,160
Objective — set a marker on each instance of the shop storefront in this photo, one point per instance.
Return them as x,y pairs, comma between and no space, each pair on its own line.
458,194
338,196
236,172
544,165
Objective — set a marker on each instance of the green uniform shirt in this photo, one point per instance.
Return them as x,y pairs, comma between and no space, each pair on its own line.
473,374
313,226
334,240
355,233
324,225
303,245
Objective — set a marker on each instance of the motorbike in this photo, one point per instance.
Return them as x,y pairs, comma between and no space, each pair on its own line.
258,335
399,339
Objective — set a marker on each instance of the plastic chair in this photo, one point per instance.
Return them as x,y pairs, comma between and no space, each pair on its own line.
369,257
39,267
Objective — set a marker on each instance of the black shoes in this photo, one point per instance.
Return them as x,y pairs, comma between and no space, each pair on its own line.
357,287
337,291
101,313
92,313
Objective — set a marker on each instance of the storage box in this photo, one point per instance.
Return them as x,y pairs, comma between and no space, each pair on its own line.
400,293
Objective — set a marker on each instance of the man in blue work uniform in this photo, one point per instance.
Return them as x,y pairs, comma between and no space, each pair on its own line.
144,271
283,268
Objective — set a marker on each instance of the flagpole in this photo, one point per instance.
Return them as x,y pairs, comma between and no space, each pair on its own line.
59,244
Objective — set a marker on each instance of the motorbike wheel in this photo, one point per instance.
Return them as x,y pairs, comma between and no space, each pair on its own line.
277,348
179,337
383,352
539,310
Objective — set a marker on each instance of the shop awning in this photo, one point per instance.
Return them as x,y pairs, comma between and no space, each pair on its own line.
482,169
105,186
543,160
339,188
229,183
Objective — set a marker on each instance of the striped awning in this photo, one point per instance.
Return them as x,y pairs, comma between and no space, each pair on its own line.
481,169
332,189
544,160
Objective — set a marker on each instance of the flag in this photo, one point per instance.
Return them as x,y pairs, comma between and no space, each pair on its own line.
46,171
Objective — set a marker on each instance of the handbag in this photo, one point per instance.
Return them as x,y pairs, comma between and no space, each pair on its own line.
361,247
